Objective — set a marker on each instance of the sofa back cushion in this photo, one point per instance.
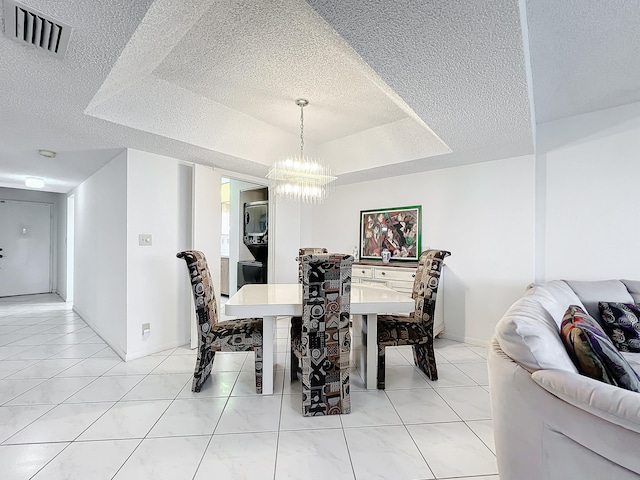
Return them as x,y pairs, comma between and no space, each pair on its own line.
633,286
593,352
621,322
592,292
529,332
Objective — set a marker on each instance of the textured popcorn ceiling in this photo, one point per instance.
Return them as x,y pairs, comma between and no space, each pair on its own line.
395,87
585,56
236,67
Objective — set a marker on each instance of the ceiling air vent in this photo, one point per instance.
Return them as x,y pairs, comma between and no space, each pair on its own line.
30,27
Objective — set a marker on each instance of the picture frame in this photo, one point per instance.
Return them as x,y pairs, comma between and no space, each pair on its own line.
397,229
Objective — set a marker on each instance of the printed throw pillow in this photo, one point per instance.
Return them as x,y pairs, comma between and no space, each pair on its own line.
621,321
593,353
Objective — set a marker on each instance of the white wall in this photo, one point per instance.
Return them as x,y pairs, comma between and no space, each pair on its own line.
592,165
58,227
100,290
482,213
206,232
158,203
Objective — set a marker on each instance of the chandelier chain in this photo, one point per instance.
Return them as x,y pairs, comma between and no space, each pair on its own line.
301,132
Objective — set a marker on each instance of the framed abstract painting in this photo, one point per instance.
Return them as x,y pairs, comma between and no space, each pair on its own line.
397,230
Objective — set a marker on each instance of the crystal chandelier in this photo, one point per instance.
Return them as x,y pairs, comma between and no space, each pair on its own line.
298,178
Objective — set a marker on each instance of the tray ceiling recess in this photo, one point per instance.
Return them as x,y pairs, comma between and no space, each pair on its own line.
30,27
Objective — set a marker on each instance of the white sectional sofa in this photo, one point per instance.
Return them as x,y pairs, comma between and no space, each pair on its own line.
550,422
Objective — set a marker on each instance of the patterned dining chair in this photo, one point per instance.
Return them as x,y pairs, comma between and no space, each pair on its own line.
417,328
322,343
296,322
240,335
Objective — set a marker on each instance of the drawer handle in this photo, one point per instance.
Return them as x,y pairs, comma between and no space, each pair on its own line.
413,275
362,271
383,273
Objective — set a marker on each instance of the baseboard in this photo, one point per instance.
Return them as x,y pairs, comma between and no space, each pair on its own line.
151,351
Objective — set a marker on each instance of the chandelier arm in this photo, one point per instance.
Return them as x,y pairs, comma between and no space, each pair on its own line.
301,132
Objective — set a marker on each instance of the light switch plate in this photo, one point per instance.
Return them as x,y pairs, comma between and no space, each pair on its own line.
144,239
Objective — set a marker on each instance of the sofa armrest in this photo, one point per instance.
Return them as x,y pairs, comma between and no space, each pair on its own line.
611,403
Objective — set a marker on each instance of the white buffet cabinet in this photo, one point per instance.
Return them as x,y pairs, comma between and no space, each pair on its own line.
398,277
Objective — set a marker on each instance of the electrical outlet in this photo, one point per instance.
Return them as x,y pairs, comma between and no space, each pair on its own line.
144,240
146,330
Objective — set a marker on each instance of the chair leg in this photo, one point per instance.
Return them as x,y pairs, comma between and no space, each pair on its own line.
381,361
294,365
425,359
204,364
258,362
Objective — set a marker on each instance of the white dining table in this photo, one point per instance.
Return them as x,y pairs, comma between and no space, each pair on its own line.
285,299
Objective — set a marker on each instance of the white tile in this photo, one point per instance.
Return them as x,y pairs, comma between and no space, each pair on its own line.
393,357
484,430
139,366
126,420
10,389
78,351
40,352
370,409
421,406
250,414
88,460
313,455
20,462
104,352
482,351
61,424
450,376
38,339
229,361
176,364
106,389
453,450
189,417
471,403
90,367
185,350
292,418
174,458
158,387
52,391
9,367
476,371
11,350
402,377
246,384
46,368
460,354
379,453
73,338
219,384
13,419
227,457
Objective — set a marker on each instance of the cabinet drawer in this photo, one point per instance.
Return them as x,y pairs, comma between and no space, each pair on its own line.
362,272
375,283
402,287
402,274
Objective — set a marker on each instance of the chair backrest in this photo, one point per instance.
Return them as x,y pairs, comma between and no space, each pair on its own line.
326,342
202,286
428,285
307,251
418,277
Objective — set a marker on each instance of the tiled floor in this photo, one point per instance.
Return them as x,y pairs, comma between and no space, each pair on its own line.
71,409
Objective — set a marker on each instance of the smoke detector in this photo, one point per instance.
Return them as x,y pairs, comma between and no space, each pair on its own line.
30,27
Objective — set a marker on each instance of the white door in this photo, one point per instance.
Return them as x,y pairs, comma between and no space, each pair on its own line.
25,240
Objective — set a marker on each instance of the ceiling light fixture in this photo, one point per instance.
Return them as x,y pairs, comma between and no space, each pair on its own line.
33,182
47,153
299,178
